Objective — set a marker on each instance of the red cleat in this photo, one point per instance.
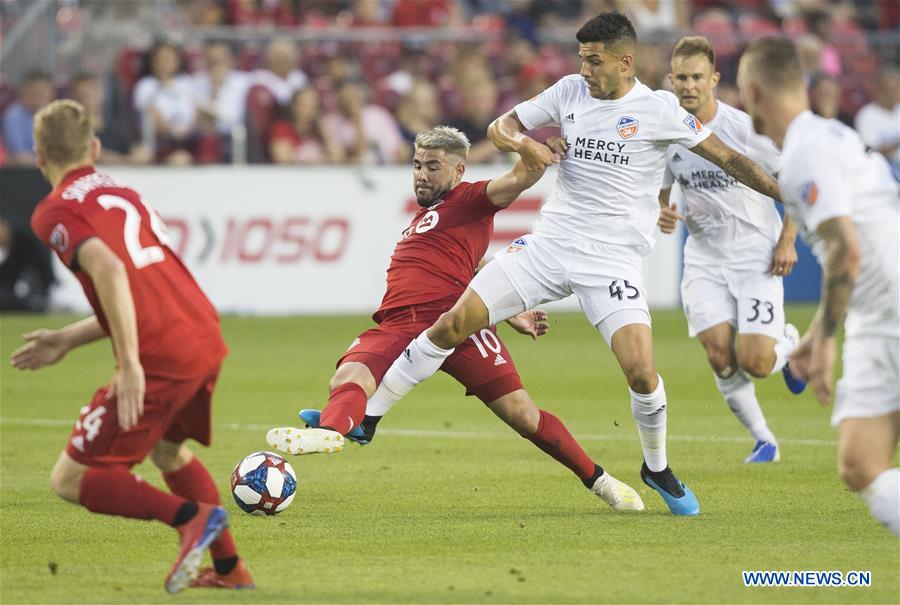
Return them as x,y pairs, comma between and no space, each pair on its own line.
239,577
196,536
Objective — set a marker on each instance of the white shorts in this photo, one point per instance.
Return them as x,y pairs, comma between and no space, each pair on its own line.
870,385
750,300
534,270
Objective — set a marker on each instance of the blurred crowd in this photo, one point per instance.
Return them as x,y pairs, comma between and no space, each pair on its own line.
207,100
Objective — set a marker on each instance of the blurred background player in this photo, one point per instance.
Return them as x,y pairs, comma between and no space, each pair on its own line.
166,341
848,208
594,229
436,257
737,251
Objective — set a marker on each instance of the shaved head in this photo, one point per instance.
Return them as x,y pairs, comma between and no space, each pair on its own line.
775,63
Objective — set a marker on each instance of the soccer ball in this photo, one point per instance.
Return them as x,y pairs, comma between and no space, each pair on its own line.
263,483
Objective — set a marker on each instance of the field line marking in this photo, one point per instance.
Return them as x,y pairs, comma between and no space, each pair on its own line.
233,426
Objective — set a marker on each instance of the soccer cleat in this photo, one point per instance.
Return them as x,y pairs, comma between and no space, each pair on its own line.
678,496
294,441
196,536
617,494
795,385
311,418
237,578
764,451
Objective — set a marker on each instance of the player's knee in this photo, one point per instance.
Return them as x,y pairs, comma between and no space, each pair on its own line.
169,457
65,484
450,329
642,377
856,473
346,375
525,420
754,363
721,360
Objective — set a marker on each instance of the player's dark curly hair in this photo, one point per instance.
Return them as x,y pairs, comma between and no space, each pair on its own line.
609,28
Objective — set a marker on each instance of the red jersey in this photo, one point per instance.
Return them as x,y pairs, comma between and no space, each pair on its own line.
178,329
438,253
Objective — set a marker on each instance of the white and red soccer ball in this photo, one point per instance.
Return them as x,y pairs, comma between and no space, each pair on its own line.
263,483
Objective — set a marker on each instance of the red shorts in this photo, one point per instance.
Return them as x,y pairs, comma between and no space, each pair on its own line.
482,363
173,411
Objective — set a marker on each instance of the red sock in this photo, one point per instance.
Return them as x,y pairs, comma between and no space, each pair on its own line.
554,438
345,409
194,482
116,491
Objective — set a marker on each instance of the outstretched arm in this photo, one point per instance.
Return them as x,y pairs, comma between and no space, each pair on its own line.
45,347
504,189
737,165
507,133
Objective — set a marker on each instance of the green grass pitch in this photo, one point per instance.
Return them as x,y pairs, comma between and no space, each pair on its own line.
448,505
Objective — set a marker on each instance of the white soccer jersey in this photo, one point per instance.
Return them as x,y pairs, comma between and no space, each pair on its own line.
607,186
826,173
727,220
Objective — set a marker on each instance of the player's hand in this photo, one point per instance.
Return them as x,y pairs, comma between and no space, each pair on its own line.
43,348
127,387
784,258
559,146
668,218
820,370
530,323
536,156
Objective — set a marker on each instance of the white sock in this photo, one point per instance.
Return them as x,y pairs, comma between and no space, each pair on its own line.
649,412
883,498
420,360
783,348
740,395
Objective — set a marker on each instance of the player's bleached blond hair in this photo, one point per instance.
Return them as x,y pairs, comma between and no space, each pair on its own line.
62,132
450,139
690,46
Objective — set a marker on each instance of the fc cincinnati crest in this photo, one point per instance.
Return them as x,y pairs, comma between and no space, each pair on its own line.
810,193
59,238
516,245
693,123
627,126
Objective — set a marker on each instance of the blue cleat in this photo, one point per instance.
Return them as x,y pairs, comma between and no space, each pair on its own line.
764,451
311,418
794,384
678,496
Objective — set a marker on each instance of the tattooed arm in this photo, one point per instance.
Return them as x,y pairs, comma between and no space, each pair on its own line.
815,355
737,165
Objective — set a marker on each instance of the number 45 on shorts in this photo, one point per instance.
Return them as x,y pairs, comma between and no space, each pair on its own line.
625,290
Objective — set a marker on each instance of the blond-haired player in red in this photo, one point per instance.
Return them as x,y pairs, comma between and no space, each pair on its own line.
167,345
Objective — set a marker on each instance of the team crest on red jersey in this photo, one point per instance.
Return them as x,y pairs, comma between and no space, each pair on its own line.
693,123
810,193
59,238
627,127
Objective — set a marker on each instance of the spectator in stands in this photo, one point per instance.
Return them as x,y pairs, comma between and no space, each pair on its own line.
118,145
650,16
418,110
878,123
427,13
281,75
36,91
280,13
301,139
367,133
818,23
825,97
479,108
221,90
164,99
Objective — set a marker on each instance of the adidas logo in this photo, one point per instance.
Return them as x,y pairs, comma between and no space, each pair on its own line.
498,360
78,443
676,157
569,118
661,409
407,355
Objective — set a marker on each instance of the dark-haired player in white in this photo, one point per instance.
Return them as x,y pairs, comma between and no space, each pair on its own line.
737,252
